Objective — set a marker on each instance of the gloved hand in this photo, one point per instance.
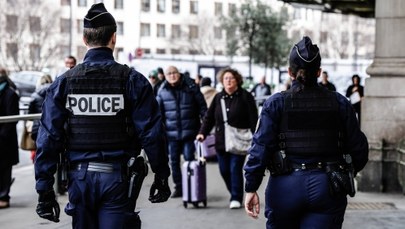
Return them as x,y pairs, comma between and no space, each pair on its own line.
48,207
163,190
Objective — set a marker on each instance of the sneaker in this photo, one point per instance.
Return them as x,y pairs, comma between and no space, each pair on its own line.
177,193
4,204
235,204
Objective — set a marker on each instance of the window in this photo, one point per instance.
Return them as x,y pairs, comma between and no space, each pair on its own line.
193,7
193,32
64,25
217,33
145,5
218,8
145,29
175,6
160,51
35,24
146,51
231,9
218,52
11,23
120,28
161,30
82,3
35,52
65,2
117,52
193,52
119,4
176,33
79,26
175,51
161,6
230,33
12,50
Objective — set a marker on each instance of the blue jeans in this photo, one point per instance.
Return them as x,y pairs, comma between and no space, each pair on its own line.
302,200
176,148
231,169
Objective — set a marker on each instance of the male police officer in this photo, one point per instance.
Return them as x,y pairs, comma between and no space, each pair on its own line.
100,113
303,136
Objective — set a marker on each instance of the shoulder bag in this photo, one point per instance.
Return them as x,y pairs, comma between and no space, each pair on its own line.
237,140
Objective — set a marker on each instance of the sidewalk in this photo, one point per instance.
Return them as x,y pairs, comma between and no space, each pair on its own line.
366,210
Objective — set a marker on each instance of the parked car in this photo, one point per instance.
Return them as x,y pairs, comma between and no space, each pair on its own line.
26,82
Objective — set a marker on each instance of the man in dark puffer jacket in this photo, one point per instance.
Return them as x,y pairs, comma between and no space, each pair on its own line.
183,106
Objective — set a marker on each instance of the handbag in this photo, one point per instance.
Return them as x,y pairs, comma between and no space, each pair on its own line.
26,141
237,140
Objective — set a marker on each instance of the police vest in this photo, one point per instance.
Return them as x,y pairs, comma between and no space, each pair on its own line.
99,111
310,124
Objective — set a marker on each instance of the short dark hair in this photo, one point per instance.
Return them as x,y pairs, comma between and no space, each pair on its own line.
206,81
99,36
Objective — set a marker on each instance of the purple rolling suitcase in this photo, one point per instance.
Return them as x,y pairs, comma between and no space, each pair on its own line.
195,181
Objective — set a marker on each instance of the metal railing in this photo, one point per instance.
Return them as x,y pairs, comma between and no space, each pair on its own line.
16,118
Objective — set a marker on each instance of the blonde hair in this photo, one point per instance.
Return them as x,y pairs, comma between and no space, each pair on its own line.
45,79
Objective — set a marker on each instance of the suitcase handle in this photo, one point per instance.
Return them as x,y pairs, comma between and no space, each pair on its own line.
200,156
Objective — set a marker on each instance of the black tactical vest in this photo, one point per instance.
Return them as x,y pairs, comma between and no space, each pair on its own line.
310,125
99,111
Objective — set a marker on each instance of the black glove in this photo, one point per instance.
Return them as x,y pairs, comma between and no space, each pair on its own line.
48,207
163,189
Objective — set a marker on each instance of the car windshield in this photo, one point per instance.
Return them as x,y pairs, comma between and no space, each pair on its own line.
26,77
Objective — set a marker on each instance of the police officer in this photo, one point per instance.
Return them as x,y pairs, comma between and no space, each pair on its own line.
100,113
306,137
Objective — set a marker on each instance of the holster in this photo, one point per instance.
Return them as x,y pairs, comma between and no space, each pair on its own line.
341,179
137,171
279,164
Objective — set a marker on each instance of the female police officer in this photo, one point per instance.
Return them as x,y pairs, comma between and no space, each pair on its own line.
100,113
302,136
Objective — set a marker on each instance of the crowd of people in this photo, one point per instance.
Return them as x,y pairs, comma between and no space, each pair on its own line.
127,112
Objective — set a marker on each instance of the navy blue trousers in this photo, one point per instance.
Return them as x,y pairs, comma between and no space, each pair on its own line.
231,169
99,200
302,200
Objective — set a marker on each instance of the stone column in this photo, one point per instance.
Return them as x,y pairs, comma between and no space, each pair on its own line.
383,107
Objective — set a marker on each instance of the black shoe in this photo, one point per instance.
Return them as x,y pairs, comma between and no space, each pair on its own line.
177,193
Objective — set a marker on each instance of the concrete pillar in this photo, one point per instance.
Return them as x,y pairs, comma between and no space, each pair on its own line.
383,107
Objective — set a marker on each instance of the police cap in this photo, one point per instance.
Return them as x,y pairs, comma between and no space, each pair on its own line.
305,55
98,16
153,74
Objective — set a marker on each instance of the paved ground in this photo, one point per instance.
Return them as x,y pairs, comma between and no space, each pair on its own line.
366,210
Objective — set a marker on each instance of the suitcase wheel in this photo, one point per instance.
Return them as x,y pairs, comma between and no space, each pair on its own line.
195,204
205,203
185,204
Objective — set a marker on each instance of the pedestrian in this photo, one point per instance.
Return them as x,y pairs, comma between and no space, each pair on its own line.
355,93
70,62
9,105
261,90
183,107
207,90
326,83
154,81
100,113
241,112
35,105
302,137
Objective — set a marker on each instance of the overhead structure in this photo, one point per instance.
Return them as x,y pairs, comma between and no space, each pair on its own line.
362,8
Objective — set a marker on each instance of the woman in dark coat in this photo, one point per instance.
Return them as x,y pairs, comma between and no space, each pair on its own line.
8,137
242,113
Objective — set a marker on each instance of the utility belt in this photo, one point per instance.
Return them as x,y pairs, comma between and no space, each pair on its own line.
340,173
101,167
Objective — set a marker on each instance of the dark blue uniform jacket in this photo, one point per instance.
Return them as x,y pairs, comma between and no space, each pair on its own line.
265,140
145,114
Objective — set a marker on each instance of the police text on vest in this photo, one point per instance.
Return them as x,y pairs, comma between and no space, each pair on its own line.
95,104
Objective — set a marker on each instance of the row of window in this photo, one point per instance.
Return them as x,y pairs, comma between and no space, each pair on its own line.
161,7
176,31
118,4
